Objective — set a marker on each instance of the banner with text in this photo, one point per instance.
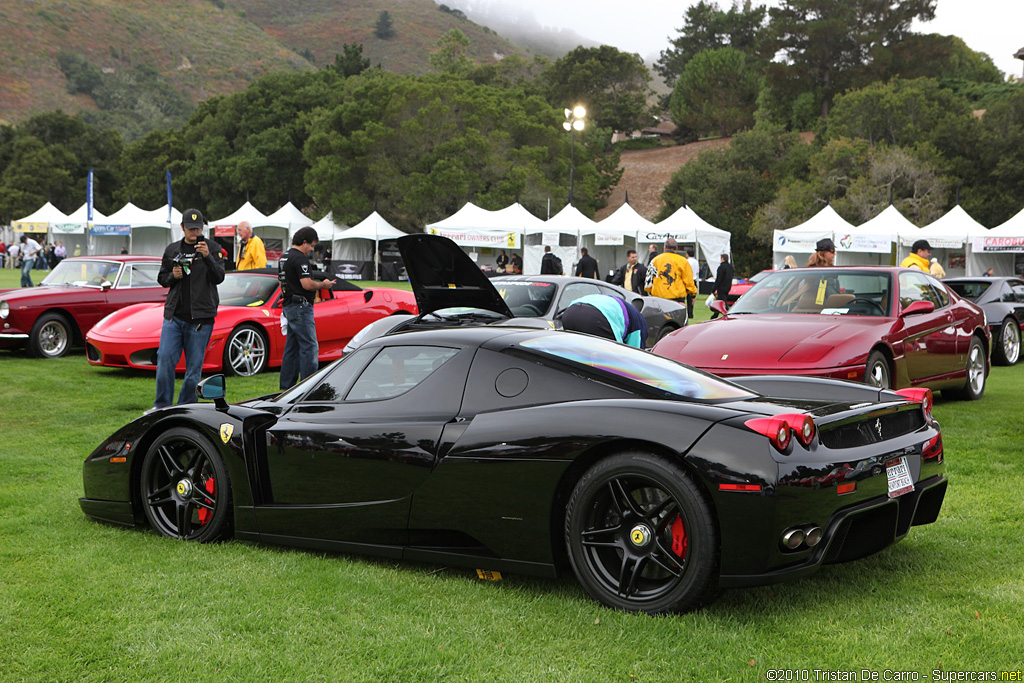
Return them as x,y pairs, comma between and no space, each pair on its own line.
999,244
478,238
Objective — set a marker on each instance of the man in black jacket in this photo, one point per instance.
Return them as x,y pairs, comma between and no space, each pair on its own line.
549,263
632,274
723,282
191,271
587,265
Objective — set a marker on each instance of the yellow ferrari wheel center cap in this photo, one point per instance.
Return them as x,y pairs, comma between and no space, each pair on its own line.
640,535
184,487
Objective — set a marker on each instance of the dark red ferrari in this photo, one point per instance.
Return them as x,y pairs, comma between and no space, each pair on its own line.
49,318
887,327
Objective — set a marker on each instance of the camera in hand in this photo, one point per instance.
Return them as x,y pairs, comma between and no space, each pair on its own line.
184,260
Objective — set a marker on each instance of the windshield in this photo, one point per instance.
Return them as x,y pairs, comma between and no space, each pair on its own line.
817,291
971,290
636,365
527,299
83,273
246,289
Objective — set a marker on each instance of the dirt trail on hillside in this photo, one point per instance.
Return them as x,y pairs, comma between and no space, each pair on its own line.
645,172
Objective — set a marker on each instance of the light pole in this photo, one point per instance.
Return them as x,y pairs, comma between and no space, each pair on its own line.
573,122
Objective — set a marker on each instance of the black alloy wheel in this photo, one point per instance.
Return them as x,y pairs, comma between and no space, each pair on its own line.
665,330
641,536
184,487
51,336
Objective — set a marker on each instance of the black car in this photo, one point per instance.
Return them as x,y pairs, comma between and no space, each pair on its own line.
452,290
1002,299
534,451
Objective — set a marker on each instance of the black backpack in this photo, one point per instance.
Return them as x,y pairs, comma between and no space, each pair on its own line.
557,263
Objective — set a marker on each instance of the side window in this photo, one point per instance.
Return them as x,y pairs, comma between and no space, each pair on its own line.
334,385
1018,291
397,370
941,295
915,287
143,275
575,291
610,291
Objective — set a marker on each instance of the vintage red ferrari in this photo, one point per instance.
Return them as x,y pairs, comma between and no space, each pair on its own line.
50,318
887,327
247,333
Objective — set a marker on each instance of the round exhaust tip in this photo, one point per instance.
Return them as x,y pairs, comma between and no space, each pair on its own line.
813,536
793,539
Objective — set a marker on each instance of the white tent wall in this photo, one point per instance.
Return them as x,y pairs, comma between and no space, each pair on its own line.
151,241
609,256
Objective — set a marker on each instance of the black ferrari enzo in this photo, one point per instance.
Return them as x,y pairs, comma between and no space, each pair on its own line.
527,450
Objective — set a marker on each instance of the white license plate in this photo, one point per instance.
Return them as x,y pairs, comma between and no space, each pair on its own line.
898,472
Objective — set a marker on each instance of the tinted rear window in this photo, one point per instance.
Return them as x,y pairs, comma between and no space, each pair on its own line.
969,289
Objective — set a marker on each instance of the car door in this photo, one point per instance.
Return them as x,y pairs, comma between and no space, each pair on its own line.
343,462
137,284
929,339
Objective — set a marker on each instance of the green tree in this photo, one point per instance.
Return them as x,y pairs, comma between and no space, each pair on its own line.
612,85
420,147
143,167
351,62
717,91
385,26
829,44
945,58
992,193
708,27
35,174
727,186
451,54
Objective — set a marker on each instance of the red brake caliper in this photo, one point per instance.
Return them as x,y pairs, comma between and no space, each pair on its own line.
678,537
204,514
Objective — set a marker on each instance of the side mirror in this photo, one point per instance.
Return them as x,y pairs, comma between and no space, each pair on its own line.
918,307
719,306
213,389
106,284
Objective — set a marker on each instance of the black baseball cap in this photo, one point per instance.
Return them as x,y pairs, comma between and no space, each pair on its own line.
825,245
192,218
919,245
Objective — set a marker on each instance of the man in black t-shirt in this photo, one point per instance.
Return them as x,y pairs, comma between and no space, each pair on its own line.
298,291
191,271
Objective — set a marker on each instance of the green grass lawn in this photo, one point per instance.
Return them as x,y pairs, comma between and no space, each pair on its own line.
82,601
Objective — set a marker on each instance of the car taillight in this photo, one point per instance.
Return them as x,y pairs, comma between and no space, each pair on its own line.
781,429
922,396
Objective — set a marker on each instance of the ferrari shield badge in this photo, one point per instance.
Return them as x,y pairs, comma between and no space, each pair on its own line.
225,432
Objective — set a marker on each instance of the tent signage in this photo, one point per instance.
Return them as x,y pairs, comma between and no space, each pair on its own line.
102,229
999,244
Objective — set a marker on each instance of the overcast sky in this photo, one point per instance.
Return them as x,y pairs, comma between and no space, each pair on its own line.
995,27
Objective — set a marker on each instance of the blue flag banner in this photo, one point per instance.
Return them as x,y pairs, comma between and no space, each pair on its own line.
88,198
170,211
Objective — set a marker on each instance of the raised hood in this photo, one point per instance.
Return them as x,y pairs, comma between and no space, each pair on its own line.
765,341
443,276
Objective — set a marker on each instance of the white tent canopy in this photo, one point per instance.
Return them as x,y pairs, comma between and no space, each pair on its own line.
565,226
329,231
950,238
684,225
870,243
800,240
472,226
373,229
47,213
610,238
1000,248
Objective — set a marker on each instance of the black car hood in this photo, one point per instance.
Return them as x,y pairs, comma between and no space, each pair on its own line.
443,276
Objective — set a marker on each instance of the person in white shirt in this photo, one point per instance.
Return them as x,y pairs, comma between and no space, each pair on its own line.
694,268
30,249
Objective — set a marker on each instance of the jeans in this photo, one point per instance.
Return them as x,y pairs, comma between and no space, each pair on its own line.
26,272
301,350
176,336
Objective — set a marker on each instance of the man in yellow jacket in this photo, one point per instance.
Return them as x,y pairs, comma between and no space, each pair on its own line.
251,252
920,253
669,275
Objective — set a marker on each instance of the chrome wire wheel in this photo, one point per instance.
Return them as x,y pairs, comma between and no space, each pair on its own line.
51,336
245,353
